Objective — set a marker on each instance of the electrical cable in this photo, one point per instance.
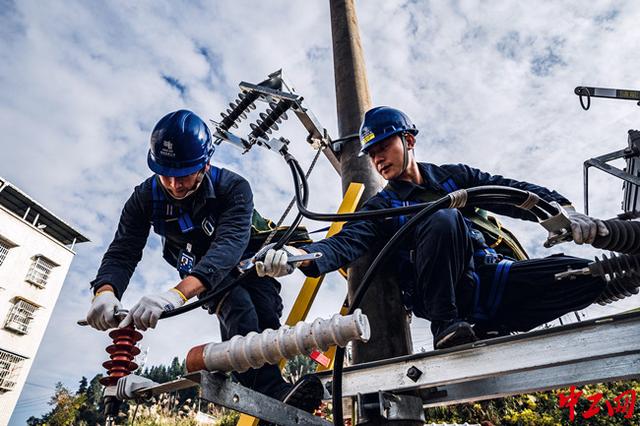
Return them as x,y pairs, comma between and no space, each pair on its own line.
366,280
301,199
542,211
293,200
302,196
135,413
476,197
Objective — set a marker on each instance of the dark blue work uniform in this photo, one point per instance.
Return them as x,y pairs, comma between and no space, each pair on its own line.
204,235
448,275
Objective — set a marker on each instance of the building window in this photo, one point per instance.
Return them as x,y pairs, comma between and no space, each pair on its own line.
5,246
39,272
20,316
9,369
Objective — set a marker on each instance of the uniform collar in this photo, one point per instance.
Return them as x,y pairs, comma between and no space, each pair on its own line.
205,191
207,187
406,190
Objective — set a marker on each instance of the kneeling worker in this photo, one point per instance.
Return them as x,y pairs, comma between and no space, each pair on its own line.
203,214
460,270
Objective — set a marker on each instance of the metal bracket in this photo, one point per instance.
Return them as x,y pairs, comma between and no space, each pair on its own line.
632,181
281,97
559,227
128,386
390,407
217,388
603,92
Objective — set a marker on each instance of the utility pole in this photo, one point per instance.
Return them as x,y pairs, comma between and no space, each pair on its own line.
390,335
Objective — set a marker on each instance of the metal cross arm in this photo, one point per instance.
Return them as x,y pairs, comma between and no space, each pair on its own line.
280,97
593,351
218,388
603,92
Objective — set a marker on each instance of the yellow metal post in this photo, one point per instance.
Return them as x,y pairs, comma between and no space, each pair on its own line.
311,286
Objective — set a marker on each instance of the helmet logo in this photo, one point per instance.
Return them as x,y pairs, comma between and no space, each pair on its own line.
167,149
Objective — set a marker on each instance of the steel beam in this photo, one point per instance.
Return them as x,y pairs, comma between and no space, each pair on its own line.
217,388
580,373
592,351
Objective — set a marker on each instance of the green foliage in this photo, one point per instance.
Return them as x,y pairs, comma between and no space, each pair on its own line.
166,410
65,406
297,367
85,406
540,409
230,418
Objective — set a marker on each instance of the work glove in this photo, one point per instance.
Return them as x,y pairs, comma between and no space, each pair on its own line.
275,262
146,313
584,229
101,315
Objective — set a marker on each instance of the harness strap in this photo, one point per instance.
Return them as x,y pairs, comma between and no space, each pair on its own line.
478,312
449,185
162,208
159,207
497,286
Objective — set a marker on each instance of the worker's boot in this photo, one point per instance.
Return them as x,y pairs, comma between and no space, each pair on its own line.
447,334
305,395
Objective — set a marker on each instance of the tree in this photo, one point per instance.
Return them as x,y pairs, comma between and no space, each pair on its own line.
82,388
66,406
91,411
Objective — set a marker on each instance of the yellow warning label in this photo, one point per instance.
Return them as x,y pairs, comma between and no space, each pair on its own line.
368,137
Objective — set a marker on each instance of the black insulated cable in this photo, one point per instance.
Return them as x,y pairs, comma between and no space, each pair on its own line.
303,194
474,194
543,210
624,237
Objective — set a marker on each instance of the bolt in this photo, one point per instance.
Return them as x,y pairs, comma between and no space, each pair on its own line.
414,373
329,387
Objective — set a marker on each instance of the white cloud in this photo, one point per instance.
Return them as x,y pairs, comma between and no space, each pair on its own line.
489,84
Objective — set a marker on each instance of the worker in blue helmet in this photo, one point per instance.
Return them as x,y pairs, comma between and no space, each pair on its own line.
203,215
461,269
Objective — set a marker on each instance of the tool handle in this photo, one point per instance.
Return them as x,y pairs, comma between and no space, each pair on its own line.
303,257
119,314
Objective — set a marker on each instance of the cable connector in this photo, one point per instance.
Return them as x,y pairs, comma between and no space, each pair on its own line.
129,387
559,227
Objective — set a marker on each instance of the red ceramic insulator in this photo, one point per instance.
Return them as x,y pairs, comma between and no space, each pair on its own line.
121,352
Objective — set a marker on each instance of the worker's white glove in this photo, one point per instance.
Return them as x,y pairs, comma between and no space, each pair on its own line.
147,311
275,262
584,228
101,315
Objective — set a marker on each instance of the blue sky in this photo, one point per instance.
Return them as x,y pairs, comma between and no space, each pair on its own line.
489,84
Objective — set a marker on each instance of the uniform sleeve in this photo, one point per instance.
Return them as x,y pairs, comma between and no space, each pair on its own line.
125,251
355,239
233,230
468,177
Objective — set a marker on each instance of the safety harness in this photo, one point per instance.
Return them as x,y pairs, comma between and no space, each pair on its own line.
504,249
166,210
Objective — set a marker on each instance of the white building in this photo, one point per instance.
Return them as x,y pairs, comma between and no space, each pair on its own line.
36,250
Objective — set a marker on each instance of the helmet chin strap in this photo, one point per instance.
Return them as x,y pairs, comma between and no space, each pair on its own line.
405,154
199,179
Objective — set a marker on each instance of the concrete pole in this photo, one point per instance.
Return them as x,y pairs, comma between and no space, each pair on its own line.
389,324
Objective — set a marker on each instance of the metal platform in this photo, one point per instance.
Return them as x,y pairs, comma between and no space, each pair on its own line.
598,350
594,351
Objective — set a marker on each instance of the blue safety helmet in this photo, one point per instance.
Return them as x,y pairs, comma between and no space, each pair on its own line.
381,122
180,144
